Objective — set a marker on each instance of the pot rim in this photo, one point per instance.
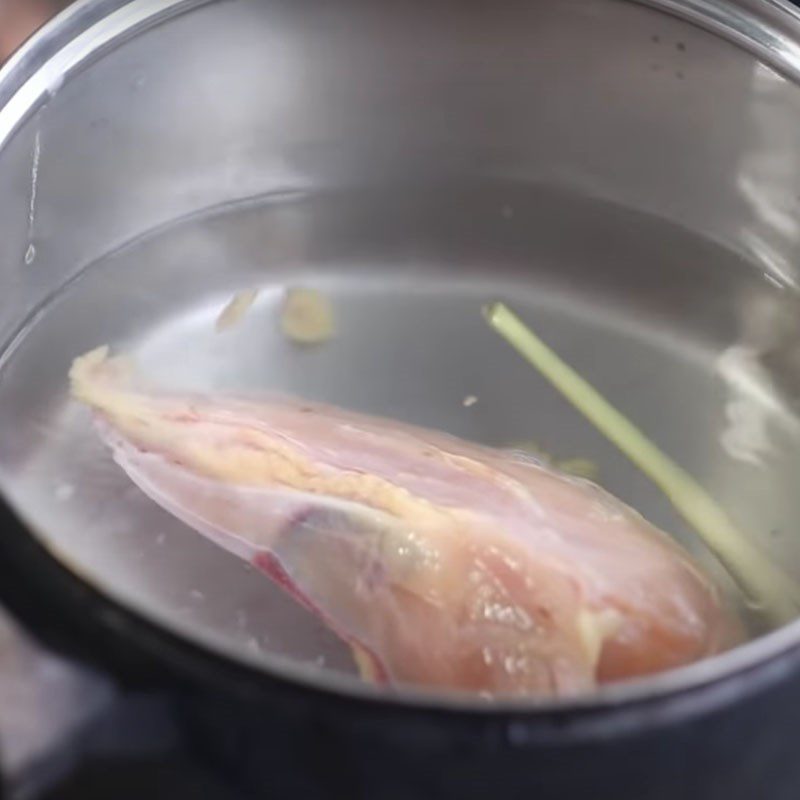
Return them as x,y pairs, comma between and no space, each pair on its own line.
768,29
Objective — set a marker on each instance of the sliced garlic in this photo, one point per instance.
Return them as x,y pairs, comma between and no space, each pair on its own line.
236,309
307,317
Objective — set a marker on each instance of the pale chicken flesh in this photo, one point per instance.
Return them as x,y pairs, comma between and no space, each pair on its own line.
444,564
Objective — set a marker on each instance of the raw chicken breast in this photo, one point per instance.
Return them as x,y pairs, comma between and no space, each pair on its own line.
443,563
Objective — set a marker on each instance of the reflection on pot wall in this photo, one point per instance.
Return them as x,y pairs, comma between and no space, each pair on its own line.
769,179
676,122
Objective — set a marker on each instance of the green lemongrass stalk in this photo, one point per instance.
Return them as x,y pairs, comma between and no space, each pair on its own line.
765,586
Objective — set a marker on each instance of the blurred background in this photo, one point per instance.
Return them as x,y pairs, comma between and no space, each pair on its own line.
20,18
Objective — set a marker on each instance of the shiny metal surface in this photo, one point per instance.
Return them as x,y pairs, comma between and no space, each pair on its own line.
626,174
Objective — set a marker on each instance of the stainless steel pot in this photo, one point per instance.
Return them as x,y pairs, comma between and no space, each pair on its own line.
626,173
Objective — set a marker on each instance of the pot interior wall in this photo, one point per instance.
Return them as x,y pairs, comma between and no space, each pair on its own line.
628,181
